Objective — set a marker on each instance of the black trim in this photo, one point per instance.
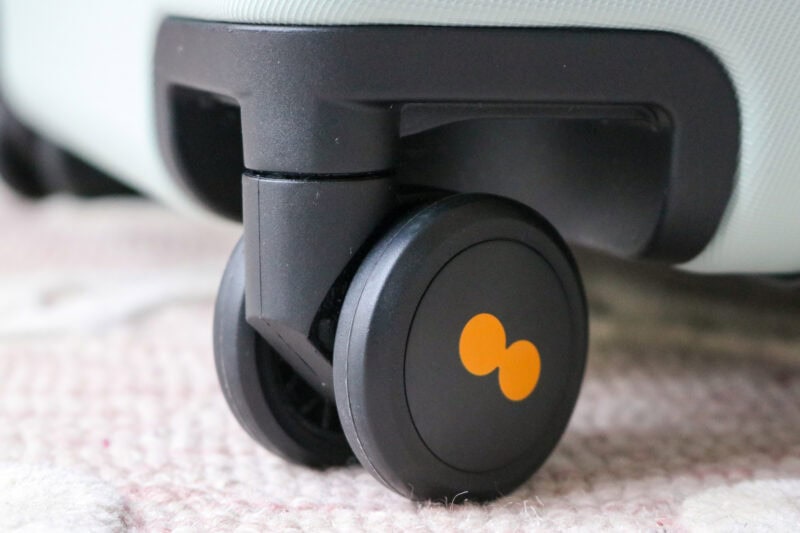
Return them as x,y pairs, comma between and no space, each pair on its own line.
335,100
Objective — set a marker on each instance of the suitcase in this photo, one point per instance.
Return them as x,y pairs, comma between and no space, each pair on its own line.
408,175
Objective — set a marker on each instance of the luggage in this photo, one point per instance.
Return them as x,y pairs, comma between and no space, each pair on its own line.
407,176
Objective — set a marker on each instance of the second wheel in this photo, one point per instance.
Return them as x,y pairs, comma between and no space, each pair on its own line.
269,399
460,349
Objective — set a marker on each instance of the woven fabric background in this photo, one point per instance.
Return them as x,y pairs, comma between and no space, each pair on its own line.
111,417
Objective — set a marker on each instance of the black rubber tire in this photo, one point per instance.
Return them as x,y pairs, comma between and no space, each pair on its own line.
377,348
270,401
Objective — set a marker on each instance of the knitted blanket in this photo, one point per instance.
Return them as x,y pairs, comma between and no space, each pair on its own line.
111,417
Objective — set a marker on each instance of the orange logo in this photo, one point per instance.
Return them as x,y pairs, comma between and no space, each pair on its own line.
483,349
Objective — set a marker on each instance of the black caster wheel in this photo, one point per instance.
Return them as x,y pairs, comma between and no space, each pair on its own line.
271,402
34,167
460,350
17,166
61,172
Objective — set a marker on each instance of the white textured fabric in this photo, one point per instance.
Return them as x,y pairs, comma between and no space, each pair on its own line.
81,71
687,421
755,506
36,498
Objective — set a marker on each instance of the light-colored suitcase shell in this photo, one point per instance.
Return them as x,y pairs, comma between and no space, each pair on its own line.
81,73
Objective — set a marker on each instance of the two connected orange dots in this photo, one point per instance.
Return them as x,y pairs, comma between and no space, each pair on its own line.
483,350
